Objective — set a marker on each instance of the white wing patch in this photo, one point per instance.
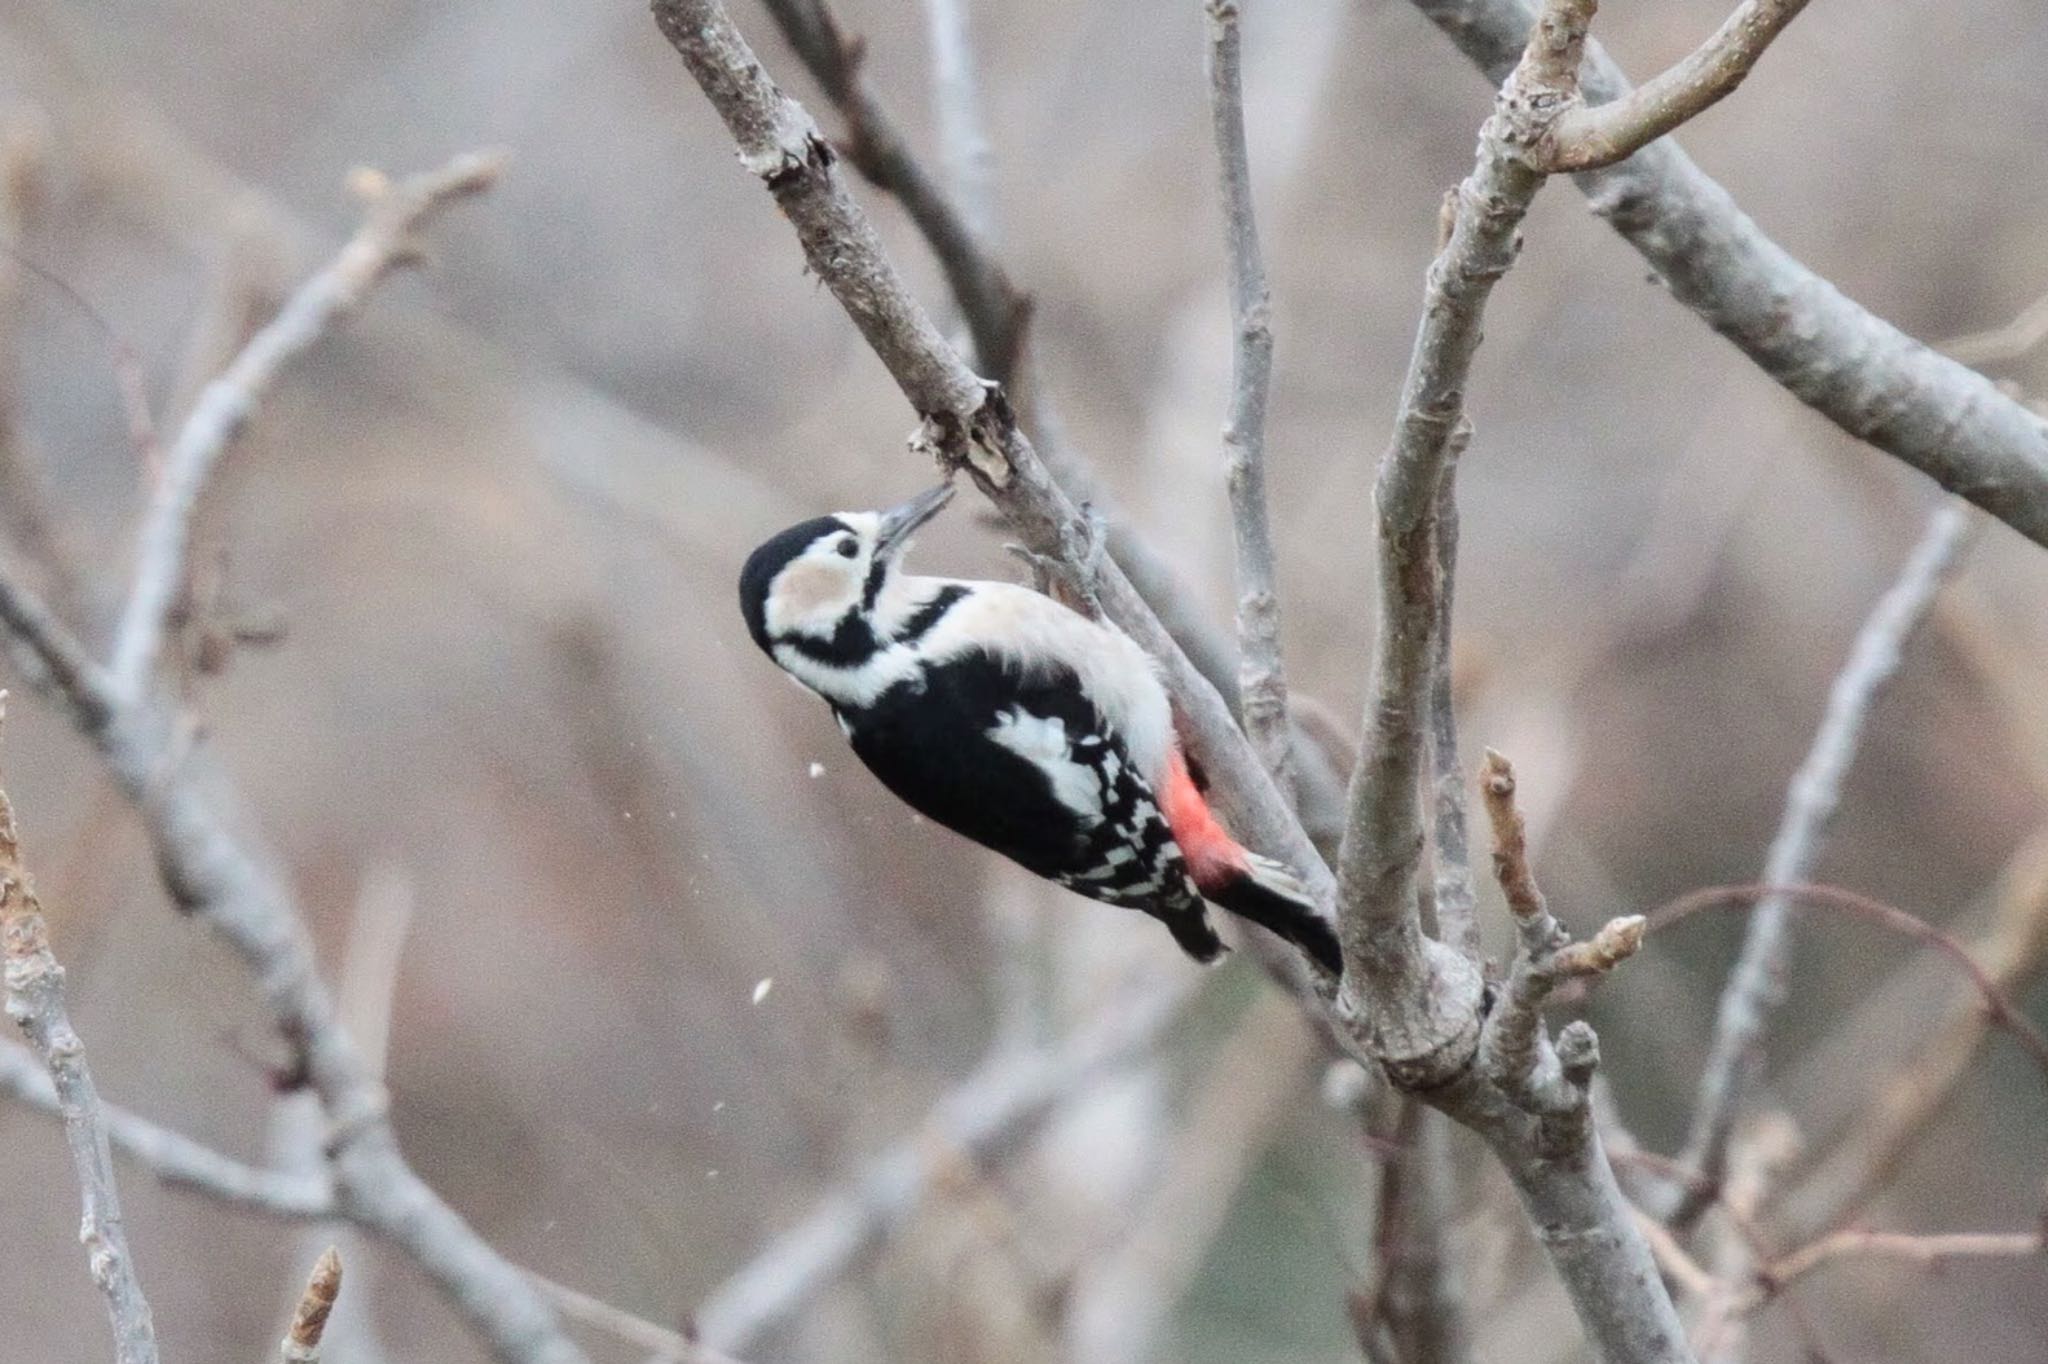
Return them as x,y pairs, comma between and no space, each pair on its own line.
1042,741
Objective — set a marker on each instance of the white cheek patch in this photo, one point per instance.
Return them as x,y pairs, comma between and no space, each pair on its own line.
1042,742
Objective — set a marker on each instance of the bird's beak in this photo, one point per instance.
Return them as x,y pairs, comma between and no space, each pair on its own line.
899,522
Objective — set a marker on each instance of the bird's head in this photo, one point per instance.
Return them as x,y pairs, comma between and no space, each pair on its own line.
818,581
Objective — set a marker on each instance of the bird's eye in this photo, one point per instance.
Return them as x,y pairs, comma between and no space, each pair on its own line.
848,548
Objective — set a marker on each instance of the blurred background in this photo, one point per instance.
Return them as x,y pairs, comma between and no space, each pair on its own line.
493,700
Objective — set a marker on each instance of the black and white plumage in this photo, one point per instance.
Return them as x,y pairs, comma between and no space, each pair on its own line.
1008,718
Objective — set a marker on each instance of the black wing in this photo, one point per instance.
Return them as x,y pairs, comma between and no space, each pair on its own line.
934,746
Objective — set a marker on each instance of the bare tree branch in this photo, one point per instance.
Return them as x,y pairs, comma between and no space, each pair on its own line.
988,1113
1262,678
309,1318
1390,967
172,1157
1941,418
1589,137
1756,985
178,1161
50,656
387,238
214,868
991,1110
35,1001
997,312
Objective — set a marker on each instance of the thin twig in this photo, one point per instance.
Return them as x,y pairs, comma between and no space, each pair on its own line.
53,659
26,496
122,360
365,988
990,1111
35,1001
1853,1243
388,237
1262,677
1418,1294
1999,1007
1514,1053
667,1346
1757,1156
1588,137
309,1318
997,312
172,1157
1756,985
1905,1104
1674,1259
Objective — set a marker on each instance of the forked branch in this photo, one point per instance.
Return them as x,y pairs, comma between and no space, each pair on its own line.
1514,1050
1586,137
1931,413
997,312
388,237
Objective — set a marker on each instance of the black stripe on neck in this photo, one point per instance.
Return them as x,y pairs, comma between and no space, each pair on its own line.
878,577
854,640
925,617
851,645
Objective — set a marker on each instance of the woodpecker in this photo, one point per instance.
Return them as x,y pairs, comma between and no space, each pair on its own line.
1004,716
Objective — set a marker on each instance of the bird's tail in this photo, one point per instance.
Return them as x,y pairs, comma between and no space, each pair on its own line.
1191,930
1241,881
1272,897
